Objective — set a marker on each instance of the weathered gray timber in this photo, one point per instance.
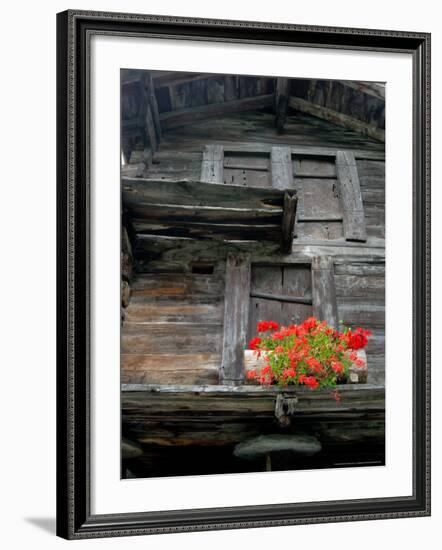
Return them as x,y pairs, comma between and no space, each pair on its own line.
247,401
282,168
213,164
336,117
236,315
281,102
351,198
233,162
288,221
183,209
181,117
323,290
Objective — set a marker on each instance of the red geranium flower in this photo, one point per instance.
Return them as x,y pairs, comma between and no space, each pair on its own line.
254,343
264,326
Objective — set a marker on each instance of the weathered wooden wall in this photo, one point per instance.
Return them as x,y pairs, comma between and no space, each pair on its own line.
359,267
221,130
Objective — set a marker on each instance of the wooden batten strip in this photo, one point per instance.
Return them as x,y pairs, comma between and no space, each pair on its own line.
236,316
351,198
212,166
323,290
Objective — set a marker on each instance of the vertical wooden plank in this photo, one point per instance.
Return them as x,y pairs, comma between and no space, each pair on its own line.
236,316
288,221
351,198
281,102
154,108
150,129
323,290
212,166
282,168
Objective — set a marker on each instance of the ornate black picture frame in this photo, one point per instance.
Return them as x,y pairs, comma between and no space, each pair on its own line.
74,518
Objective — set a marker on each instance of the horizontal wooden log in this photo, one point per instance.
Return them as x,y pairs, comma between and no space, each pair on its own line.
336,117
227,232
192,115
137,191
247,402
175,312
177,284
156,338
205,214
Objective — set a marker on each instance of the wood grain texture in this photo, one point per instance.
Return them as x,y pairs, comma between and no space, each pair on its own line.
190,115
212,165
351,198
323,290
288,221
236,314
281,167
336,117
281,102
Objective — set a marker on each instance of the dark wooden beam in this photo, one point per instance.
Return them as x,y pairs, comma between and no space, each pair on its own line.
137,192
182,117
288,221
152,99
336,118
236,317
281,102
351,197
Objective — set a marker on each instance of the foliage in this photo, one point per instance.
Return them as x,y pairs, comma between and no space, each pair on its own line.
312,354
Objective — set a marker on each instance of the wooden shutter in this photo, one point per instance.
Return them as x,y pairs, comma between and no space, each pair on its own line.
280,293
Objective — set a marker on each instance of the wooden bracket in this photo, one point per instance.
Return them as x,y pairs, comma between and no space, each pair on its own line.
288,221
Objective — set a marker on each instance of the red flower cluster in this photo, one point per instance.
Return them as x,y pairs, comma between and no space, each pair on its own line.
264,326
358,338
311,354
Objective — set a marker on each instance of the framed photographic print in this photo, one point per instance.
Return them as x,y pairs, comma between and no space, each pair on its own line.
243,274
